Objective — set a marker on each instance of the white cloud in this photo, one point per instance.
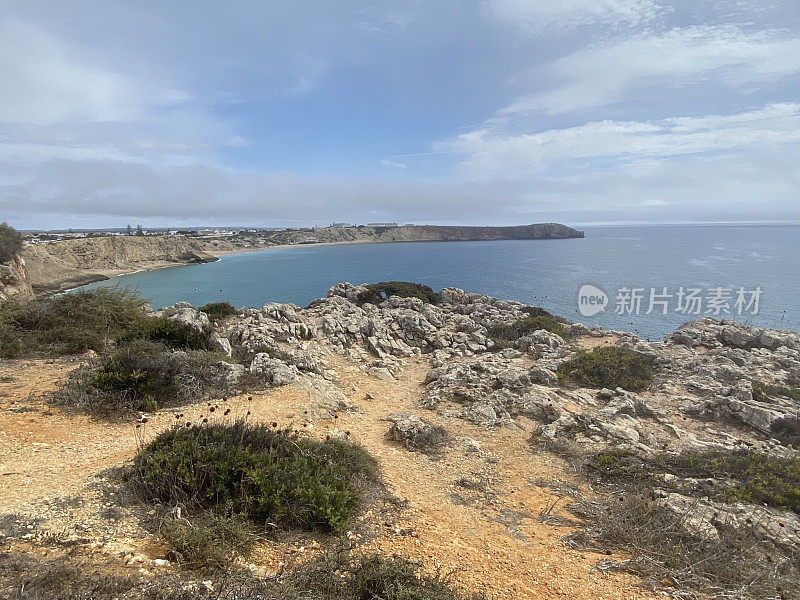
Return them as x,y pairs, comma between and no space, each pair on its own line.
44,83
538,15
490,154
394,164
723,56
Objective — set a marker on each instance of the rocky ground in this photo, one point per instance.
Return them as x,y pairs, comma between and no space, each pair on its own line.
471,437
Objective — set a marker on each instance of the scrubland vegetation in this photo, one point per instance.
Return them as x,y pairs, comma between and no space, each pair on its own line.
608,367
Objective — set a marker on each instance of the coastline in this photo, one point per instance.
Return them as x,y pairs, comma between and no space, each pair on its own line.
107,274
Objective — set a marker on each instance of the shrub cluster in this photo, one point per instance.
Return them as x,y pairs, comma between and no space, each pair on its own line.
609,367
218,310
378,292
10,242
69,323
758,478
264,474
210,542
748,477
168,332
764,392
143,376
502,335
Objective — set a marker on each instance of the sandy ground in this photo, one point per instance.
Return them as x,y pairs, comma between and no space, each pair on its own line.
54,466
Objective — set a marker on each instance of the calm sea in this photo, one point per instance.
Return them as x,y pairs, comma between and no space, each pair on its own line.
547,273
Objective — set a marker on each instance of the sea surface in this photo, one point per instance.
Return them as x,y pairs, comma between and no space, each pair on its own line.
547,273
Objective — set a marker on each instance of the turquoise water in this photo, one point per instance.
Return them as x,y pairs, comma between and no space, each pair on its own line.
546,273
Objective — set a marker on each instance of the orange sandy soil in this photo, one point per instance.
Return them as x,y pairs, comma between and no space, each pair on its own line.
491,539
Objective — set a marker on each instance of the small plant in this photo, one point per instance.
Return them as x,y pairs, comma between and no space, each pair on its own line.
503,334
171,333
378,292
209,542
262,473
764,392
615,463
10,242
609,367
218,310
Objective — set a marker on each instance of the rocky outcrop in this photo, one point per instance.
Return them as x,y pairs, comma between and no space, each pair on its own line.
703,371
57,266
15,281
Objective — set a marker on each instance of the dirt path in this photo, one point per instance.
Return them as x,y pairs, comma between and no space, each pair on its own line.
472,511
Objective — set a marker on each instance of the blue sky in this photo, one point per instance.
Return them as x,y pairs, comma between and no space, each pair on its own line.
495,111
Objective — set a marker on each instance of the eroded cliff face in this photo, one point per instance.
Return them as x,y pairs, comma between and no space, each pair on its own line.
59,266
14,280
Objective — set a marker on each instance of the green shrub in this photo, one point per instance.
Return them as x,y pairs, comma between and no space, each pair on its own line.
748,477
502,334
218,310
609,367
209,542
262,473
69,323
764,392
10,242
138,376
378,292
787,431
171,333
759,478
379,578
616,463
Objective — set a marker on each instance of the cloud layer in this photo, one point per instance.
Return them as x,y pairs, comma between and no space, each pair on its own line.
502,111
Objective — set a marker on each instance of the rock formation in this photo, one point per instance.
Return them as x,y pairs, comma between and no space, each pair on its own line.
57,266
15,281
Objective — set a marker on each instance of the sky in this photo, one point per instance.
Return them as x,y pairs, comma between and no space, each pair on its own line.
496,112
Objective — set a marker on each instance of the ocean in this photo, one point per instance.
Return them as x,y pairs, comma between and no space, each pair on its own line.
654,278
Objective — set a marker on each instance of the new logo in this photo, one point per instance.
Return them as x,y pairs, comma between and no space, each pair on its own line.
591,300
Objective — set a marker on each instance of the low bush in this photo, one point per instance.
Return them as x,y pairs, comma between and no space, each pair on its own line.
171,333
218,310
262,473
787,431
69,323
742,476
210,542
10,242
378,292
503,334
764,392
608,367
143,376
139,376
757,478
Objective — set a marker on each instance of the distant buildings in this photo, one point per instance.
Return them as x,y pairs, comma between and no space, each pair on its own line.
342,224
382,225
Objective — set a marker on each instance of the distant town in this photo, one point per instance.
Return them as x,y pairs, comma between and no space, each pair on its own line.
54,235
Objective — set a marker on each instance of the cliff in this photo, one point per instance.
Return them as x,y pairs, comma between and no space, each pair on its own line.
14,280
58,266
406,233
